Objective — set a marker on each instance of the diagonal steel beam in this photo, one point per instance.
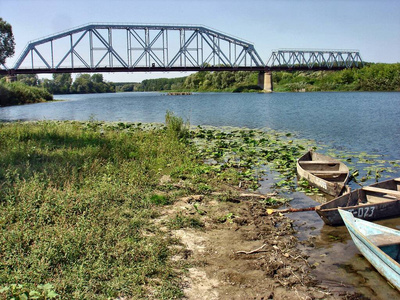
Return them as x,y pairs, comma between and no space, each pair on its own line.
41,57
182,49
70,51
109,48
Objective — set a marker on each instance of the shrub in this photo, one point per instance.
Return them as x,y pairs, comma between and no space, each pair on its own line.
18,93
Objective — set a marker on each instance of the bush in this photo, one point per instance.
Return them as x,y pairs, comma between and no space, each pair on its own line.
18,93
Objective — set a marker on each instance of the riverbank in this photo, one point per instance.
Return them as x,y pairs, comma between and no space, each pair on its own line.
130,210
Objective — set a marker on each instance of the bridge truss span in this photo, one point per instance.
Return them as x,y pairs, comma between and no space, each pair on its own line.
294,59
130,48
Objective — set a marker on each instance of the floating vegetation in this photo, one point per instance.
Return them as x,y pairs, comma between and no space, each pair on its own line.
252,152
257,153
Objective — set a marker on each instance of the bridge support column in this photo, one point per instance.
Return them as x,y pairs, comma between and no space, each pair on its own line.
265,81
11,78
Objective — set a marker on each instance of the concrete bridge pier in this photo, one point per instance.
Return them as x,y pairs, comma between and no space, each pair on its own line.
265,81
11,78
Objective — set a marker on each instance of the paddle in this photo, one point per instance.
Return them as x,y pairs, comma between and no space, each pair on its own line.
271,211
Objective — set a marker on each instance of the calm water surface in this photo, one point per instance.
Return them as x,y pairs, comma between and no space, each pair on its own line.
368,122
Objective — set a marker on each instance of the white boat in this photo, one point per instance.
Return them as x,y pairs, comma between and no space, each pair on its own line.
380,245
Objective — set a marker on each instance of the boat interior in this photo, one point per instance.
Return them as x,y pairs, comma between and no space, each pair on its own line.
390,244
324,167
327,170
390,191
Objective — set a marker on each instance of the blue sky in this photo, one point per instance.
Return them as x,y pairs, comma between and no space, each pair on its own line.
371,26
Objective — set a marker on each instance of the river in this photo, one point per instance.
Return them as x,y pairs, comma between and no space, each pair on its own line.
355,121
349,122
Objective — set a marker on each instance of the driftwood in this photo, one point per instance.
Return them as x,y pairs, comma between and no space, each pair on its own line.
271,211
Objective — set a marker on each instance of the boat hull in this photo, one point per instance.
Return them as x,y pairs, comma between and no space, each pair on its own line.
323,172
364,204
384,257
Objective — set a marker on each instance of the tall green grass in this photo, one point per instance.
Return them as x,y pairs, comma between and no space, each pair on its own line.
76,209
176,127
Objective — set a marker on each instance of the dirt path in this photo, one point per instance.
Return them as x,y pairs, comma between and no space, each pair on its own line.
244,253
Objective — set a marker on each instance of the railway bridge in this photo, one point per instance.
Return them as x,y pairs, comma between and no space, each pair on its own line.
165,48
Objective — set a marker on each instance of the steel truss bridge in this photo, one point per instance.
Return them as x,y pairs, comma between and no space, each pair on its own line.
152,48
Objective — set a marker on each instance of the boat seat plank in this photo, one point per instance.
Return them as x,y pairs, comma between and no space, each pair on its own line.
379,199
397,179
316,173
381,190
318,162
384,239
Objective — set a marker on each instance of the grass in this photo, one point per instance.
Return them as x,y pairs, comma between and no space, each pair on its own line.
77,203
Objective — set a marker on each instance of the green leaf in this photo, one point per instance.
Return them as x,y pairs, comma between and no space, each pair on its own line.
23,296
52,294
34,294
4,289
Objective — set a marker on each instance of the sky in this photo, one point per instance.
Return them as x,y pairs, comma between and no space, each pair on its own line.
370,26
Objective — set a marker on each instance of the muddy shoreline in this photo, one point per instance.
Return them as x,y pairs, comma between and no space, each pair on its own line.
249,255
242,252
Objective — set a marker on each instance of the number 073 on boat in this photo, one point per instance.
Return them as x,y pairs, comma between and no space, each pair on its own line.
377,201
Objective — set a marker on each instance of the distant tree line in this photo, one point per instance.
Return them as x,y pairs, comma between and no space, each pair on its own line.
161,84
204,81
30,89
372,77
63,84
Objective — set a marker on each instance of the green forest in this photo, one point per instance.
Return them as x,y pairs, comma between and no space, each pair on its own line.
63,83
372,77
204,81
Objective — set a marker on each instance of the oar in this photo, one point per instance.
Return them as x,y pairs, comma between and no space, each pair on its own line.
271,211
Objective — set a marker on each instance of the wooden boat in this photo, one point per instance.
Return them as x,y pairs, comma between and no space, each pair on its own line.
377,201
380,245
323,172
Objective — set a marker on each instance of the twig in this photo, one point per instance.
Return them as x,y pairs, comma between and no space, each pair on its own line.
258,250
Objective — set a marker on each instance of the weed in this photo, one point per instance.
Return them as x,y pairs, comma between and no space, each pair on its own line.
175,126
182,221
198,210
18,291
227,218
159,199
